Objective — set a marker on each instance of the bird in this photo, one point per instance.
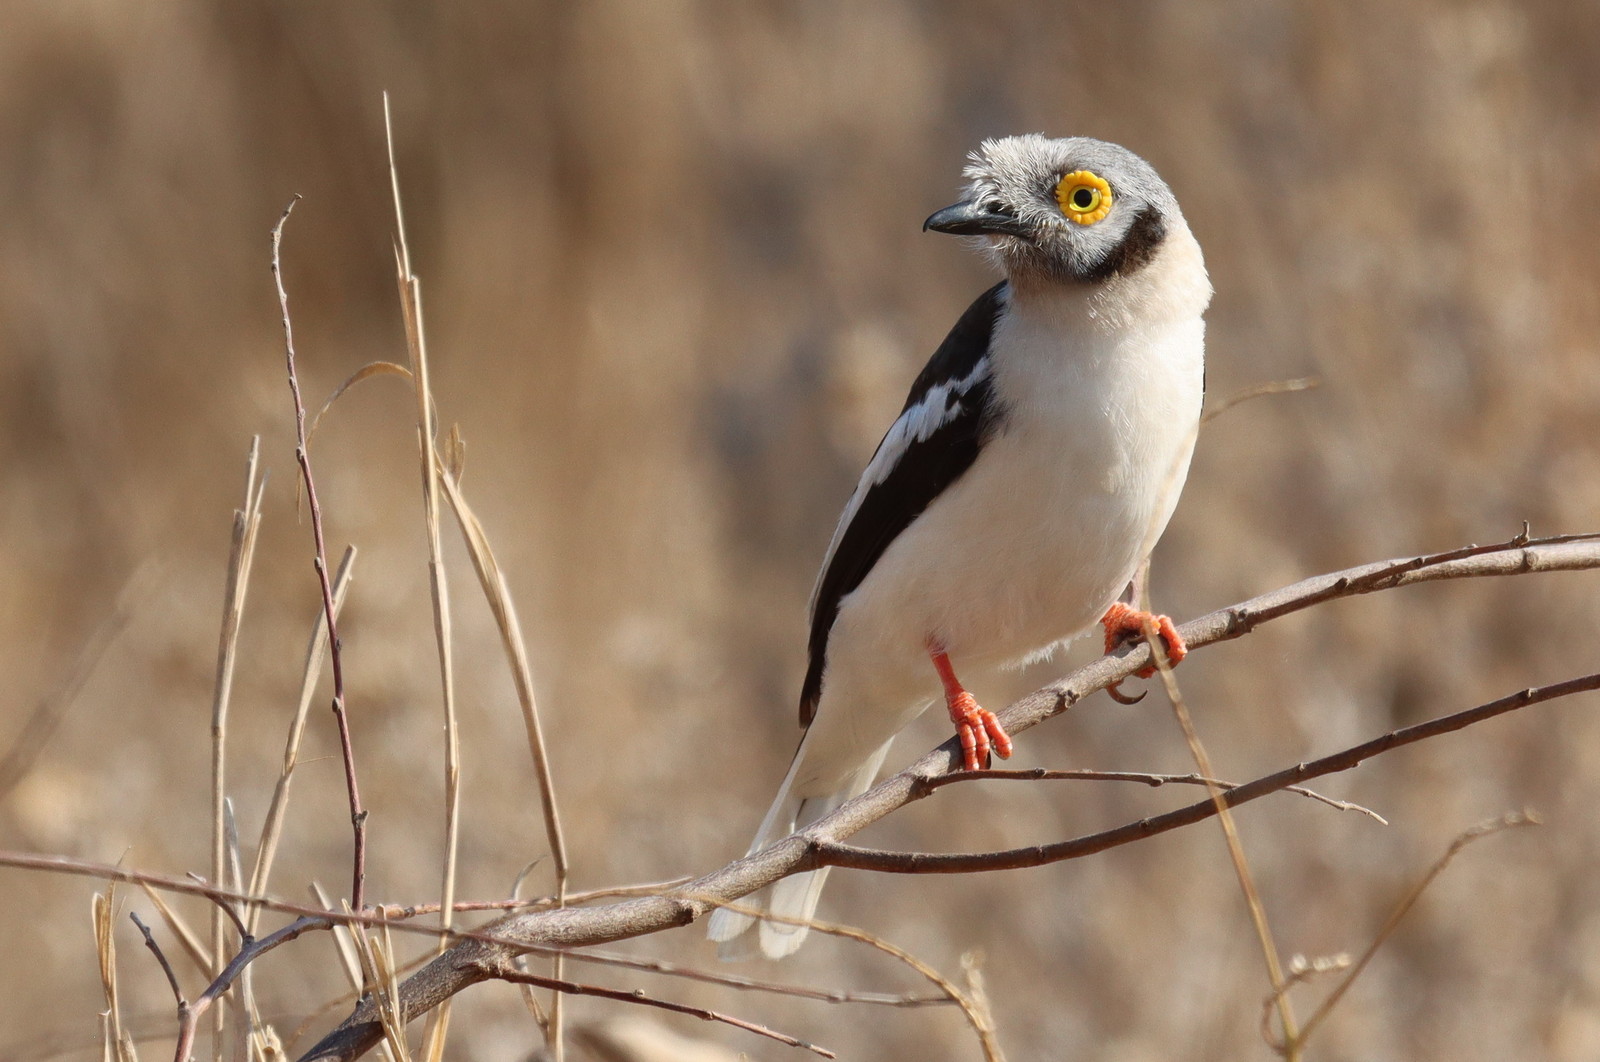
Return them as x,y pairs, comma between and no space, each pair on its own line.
1012,503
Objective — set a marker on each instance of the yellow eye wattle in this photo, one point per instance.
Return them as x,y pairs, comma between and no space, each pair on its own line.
1084,197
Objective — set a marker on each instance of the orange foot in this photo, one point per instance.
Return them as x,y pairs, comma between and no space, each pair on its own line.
980,732
1125,626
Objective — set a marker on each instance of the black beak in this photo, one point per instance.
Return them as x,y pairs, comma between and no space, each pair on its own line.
971,219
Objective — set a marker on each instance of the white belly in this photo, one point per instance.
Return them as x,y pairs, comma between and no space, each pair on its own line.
1035,541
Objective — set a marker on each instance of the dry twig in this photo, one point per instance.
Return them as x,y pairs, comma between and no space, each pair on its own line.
521,977
316,651
358,817
1154,781
1291,1048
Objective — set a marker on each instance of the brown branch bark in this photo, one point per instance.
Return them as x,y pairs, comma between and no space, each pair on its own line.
521,977
473,961
843,855
358,816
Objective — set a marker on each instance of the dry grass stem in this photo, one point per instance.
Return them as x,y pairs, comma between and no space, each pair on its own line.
118,1045
496,592
417,348
498,595
366,372
379,975
192,945
493,582
344,943
348,950
1230,832
246,523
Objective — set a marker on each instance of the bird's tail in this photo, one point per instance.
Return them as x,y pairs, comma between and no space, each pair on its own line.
794,897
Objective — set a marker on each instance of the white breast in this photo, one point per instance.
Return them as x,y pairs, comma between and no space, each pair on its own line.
1042,533
1101,400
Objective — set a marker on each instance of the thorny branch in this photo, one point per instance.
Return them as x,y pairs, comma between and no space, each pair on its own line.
476,960
358,817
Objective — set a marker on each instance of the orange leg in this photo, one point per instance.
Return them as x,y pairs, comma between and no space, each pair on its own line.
1125,625
980,732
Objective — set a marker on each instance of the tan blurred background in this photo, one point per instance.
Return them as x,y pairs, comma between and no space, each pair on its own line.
676,288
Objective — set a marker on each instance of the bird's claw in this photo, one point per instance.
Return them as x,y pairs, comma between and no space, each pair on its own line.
980,732
1114,691
1125,625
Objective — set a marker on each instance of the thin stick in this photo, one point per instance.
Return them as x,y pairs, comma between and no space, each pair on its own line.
1271,387
974,1014
161,957
358,817
246,522
220,897
316,652
1401,909
416,344
400,912
1230,833
575,988
1154,781
752,984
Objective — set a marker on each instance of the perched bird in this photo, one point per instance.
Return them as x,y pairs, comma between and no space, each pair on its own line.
1037,459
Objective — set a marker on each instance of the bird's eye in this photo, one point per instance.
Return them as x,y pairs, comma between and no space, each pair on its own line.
1084,197
994,206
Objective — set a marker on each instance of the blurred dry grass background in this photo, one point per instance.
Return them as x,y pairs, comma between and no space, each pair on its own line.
675,289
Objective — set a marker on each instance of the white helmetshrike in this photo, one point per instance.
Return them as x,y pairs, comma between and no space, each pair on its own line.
1037,459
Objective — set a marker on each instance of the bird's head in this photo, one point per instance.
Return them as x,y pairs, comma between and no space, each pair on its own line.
1072,210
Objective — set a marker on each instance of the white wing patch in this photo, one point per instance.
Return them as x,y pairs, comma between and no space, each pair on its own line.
938,406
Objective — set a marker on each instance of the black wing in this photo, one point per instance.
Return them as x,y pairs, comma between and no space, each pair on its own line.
935,439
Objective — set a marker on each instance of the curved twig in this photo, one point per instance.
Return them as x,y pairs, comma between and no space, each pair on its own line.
358,816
